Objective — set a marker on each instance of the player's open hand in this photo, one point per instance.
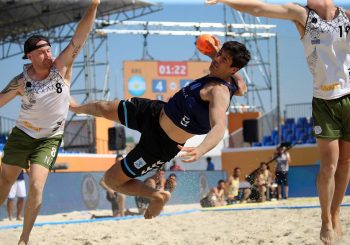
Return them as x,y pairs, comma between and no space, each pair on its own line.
211,2
216,45
189,154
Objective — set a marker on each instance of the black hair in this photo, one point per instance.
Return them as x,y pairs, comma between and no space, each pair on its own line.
234,170
172,175
239,53
220,181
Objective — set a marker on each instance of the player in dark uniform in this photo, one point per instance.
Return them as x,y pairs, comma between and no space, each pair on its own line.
199,108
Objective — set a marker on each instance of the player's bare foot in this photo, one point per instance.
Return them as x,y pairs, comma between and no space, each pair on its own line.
337,226
327,235
166,196
22,242
156,204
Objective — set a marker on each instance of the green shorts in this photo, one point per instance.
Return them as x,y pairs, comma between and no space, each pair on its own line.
21,149
331,118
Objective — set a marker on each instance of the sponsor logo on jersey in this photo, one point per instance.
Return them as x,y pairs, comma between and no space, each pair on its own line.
329,87
153,166
139,163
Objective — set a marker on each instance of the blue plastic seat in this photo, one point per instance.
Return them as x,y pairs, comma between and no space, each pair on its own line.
3,139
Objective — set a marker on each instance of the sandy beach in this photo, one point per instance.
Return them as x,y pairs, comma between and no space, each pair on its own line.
295,221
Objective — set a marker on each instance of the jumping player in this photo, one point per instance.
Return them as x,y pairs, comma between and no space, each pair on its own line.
199,108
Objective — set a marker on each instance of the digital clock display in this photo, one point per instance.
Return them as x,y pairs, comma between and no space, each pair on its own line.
172,68
160,80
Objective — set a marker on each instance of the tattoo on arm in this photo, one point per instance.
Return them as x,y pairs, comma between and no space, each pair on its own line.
76,49
13,84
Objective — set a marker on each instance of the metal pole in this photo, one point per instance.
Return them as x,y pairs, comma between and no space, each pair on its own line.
278,91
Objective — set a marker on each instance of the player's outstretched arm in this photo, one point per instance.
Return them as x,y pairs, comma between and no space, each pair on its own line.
14,87
65,60
289,11
218,103
347,13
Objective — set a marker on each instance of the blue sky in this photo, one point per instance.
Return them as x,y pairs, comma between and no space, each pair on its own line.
296,85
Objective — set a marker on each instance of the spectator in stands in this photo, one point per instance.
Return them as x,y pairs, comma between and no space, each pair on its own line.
216,196
18,190
233,192
263,182
210,164
117,200
170,183
282,166
175,166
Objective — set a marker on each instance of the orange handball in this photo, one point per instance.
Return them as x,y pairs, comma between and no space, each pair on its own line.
206,44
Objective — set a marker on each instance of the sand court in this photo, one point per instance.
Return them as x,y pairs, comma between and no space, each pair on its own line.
293,221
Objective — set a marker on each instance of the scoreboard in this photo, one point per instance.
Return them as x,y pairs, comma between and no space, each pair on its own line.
160,79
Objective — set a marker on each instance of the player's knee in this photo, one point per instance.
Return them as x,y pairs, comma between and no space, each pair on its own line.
107,108
157,196
328,170
36,187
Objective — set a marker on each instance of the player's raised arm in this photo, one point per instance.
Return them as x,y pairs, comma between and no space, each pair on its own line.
289,11
65,60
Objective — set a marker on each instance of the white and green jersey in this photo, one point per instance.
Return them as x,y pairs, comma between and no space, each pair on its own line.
327,49
44,105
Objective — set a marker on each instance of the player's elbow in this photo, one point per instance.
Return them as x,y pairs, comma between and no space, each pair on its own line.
220,128
259,10
256,10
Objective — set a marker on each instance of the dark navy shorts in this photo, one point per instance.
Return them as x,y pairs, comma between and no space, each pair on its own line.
282,178
155,148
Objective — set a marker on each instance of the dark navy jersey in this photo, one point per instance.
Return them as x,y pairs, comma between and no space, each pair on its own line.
188,111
